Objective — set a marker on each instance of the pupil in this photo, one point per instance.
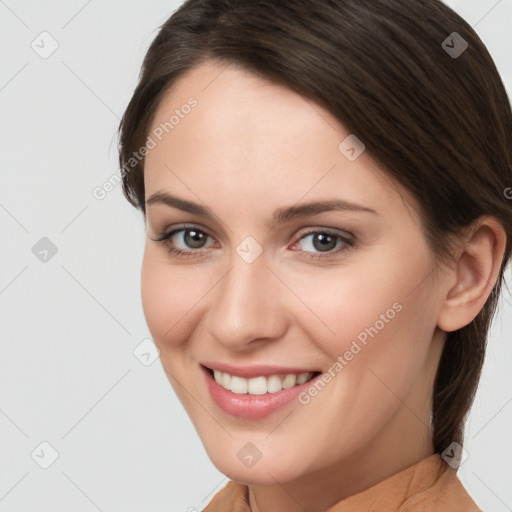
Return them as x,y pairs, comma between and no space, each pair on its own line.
194,239
326,242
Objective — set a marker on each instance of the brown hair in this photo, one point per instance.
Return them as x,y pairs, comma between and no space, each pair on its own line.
439,124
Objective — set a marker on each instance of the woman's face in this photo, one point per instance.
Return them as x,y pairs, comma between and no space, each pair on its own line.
301,259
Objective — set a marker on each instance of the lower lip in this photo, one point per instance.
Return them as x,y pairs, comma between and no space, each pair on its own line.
251,406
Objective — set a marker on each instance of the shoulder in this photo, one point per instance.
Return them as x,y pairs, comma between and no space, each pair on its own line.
446,494
431,485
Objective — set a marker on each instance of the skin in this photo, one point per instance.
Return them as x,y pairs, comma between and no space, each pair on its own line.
248,148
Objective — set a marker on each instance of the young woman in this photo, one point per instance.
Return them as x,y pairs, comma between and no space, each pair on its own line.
324,185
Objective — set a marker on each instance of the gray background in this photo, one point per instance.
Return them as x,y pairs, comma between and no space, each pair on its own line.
69,326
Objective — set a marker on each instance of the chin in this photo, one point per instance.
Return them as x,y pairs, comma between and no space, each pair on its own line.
265,471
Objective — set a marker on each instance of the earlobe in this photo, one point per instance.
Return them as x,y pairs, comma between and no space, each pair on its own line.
478,266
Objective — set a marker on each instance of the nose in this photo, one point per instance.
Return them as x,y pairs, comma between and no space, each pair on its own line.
247,307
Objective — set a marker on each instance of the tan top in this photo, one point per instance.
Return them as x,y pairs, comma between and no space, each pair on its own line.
431,485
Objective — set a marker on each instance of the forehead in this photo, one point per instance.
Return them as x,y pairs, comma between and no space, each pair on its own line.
246,138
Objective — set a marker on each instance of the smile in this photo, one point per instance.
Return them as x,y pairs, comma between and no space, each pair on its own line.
255,393
260,385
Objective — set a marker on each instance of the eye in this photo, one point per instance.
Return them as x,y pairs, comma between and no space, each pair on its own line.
325,242
184,241
189,242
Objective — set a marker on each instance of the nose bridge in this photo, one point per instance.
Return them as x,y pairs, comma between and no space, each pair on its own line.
245,306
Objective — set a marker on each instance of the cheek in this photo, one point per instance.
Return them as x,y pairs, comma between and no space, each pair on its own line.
168,298
386,303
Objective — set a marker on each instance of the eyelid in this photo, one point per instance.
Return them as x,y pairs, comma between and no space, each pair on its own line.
167,233
330,231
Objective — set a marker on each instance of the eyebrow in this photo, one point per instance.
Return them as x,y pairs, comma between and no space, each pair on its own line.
280,216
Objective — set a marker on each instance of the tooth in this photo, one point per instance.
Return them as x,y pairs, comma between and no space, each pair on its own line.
257,386
274,384
303,377
238,385
226,381
289,381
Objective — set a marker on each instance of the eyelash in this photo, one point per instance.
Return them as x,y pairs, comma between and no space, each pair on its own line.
181,253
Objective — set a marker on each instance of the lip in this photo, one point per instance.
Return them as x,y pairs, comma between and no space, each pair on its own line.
252,407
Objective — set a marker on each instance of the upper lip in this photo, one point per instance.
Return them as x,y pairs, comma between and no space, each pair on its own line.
257,370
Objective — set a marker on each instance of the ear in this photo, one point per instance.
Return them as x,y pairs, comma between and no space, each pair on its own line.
475,274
